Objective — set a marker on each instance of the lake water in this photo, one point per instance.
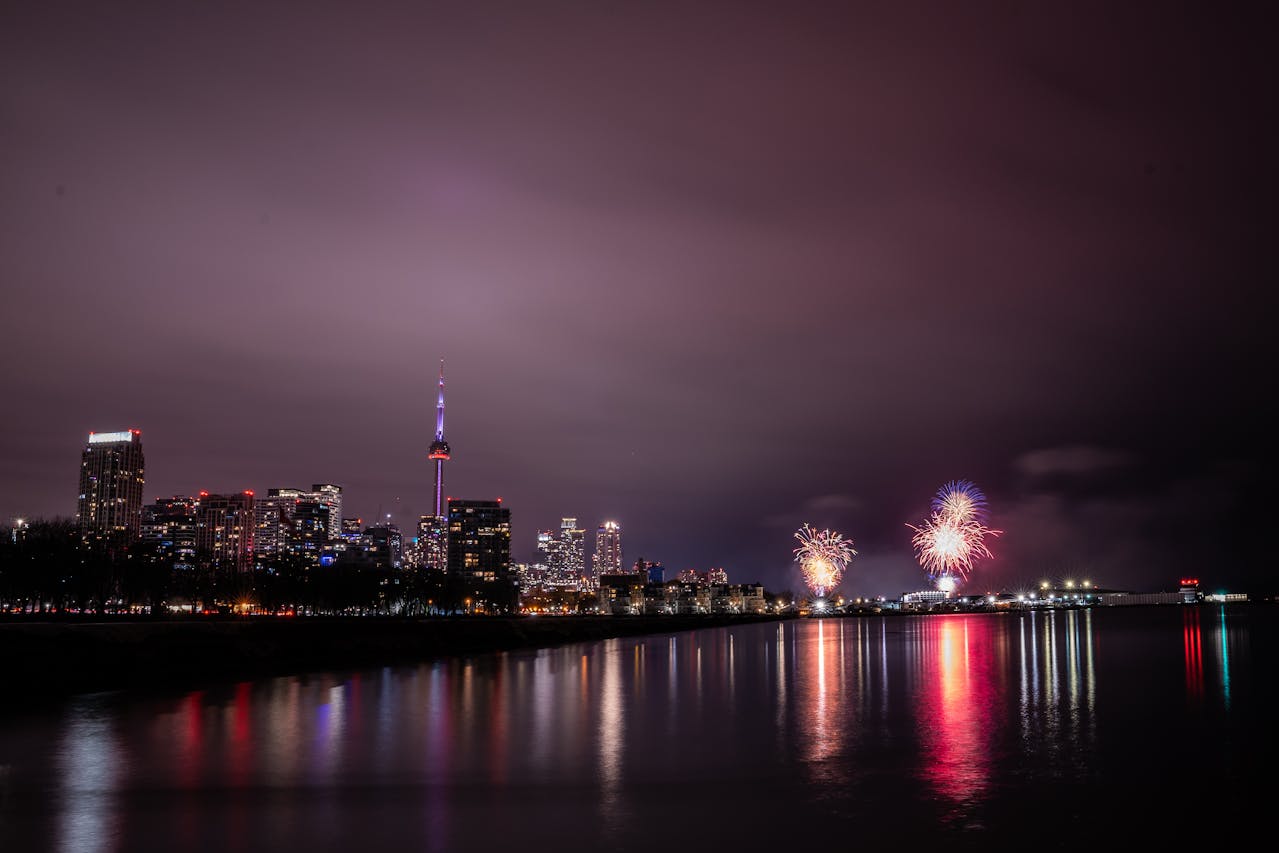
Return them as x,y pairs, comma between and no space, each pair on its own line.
976,730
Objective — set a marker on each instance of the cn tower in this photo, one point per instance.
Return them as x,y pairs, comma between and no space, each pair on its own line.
439,448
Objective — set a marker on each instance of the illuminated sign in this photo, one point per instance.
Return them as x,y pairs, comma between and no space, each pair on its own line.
108,437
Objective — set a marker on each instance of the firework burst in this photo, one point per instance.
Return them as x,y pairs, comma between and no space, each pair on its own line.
954,538
822,556
962,500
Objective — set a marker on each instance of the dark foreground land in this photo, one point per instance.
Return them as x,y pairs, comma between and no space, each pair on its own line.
42,660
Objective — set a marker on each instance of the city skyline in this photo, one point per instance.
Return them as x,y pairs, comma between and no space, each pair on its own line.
712,272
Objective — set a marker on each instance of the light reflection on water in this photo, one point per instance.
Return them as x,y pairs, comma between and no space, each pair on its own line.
954,723
90,765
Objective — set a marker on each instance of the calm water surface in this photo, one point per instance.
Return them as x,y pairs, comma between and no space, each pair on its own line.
981,729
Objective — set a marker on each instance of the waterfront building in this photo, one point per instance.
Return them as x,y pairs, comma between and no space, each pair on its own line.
479,539
112,477
607,559
922,599
621,594
224,534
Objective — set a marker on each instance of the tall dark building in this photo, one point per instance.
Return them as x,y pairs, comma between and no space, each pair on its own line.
112,475
479,540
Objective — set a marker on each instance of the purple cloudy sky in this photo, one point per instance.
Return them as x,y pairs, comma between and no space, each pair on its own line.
712,270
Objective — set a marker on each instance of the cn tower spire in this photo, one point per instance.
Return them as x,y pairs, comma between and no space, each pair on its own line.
439,407
439,448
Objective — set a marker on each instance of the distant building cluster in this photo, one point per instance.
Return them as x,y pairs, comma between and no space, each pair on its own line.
291,537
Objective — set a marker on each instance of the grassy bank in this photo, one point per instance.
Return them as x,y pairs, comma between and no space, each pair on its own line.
49,659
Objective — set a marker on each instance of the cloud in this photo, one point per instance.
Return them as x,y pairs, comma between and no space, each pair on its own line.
819,507
1074,460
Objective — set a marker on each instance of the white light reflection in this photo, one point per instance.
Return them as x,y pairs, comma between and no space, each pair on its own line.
610,735
89,764
672,684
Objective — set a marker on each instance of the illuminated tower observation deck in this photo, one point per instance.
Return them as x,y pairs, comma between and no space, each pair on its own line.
439,453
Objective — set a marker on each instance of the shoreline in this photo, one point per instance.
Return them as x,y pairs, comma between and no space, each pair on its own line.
57,658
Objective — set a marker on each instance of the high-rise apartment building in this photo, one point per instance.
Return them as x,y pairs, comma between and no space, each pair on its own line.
432,540
608,549
170,526
565,559
112,476
291,520
225,532
330,497
479,540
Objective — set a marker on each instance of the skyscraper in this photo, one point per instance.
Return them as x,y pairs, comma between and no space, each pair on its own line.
608,549
479,540
112,475
435,545
565,556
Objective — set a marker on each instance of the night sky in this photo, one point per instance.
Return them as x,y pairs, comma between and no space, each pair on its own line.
711,272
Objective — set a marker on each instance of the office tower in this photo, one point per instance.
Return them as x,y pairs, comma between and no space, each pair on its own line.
479,540
225,531
608,549
170,526
352,527
112,475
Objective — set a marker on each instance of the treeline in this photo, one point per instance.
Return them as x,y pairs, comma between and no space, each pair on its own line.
44,568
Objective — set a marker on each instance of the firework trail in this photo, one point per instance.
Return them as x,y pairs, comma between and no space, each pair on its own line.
822,556
948,543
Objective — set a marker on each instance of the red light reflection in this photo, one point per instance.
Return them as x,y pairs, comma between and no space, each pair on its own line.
1192,645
